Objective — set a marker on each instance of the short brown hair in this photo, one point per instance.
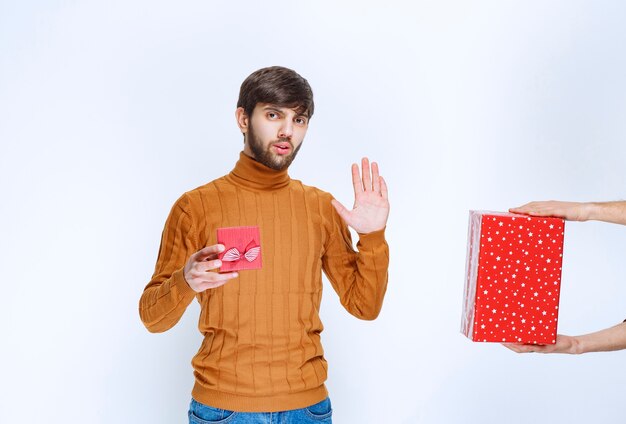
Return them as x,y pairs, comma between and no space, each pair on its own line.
277,85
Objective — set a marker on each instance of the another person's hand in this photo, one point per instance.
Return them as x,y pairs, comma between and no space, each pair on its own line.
572,211
198,270
564,344
371,204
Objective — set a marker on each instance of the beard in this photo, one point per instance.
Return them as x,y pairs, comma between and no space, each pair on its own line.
266,156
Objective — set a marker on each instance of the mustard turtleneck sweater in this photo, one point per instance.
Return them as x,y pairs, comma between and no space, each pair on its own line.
261,350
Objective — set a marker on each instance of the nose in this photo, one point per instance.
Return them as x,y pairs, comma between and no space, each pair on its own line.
286,129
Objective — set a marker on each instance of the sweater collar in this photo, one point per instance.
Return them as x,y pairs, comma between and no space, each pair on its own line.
251,174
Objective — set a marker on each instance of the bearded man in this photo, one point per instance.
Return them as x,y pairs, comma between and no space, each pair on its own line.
261,359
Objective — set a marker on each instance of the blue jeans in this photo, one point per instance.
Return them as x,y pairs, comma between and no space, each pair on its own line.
318,413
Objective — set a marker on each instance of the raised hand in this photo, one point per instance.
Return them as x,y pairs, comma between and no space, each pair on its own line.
371,204
198,272
572,211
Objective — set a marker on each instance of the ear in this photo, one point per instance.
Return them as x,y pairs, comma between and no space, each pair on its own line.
243,120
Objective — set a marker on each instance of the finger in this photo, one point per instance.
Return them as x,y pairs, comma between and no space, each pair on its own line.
533,208
225,276
383,188
533,212
367,175
201,275
206,266
217,280
343,212
214,277
535,348
521,348
356,179
520,209
375,178
208,251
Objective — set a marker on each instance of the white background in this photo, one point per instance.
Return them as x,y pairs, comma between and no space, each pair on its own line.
110,110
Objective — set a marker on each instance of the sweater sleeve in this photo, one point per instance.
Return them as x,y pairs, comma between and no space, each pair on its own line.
167,295
359,278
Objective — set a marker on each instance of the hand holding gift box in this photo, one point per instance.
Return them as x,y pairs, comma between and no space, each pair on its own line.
513,277
608,339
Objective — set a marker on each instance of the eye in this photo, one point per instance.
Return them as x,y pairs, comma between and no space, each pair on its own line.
272,115
300,121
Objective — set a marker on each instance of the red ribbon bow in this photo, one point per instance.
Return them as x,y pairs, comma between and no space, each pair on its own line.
251,253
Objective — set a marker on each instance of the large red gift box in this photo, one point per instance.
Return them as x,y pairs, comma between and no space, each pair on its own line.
242,248
513,278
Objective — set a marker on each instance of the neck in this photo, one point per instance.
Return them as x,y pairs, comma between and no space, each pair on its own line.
251,174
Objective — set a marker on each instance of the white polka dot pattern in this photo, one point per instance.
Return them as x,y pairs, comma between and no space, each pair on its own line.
517,278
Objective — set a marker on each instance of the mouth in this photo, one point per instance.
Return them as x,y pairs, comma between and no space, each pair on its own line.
282,148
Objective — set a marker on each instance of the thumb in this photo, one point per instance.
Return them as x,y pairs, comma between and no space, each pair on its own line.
343,212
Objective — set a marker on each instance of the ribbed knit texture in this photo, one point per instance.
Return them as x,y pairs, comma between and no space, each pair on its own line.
261,349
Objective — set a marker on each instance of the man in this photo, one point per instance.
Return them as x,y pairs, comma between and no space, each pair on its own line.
261,357
613,338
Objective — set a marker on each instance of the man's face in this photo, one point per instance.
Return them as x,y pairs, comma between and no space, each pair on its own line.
274,135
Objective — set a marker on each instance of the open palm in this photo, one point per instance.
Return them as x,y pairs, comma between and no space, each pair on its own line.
371,204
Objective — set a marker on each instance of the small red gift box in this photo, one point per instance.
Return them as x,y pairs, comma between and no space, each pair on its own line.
513,278
242,248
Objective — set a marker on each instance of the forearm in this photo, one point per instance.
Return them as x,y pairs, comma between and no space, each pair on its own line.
613,338
167,295
372,273
163,303
360,278
614,212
